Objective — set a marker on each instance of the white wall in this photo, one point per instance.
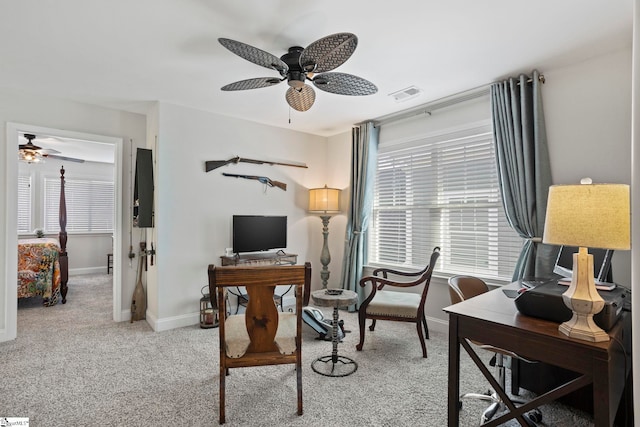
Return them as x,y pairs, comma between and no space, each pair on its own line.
337,168
194,208
149,234
587,109
19,107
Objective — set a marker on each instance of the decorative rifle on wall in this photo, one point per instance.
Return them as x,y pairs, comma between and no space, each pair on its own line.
262,179
214,164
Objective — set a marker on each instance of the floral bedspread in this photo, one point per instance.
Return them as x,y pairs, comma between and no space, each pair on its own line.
39,269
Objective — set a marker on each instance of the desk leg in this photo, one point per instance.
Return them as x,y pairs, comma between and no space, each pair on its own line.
603,414
454,373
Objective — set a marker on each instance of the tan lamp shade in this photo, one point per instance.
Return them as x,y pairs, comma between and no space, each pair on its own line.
589,215
324,200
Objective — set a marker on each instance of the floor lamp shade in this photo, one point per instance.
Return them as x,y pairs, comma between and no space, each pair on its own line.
324,200
587,216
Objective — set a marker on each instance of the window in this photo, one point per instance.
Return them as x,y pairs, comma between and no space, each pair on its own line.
442,190
90,205
24,204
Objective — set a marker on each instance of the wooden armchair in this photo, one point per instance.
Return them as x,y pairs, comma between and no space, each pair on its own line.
388,304
262,335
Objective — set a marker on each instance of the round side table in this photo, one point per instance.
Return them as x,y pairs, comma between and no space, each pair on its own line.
334,365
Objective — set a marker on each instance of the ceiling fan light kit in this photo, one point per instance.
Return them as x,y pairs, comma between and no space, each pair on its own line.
30,156
299,65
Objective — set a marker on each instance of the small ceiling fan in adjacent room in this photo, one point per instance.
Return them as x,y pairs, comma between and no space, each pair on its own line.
31,153
300,64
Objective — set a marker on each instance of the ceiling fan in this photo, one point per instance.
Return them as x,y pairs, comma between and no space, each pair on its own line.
299,65
31,153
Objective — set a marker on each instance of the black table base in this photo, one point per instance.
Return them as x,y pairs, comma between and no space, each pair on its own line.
334,366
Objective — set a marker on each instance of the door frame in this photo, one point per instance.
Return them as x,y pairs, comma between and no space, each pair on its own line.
11,200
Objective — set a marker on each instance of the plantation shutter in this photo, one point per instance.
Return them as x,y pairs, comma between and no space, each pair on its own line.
442,191
24,204
89,203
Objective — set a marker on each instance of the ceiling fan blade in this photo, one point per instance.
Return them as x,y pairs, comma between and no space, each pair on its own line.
32,147
344,84
255,55
69,159
252,83
49,151
301,99
328,53
29,146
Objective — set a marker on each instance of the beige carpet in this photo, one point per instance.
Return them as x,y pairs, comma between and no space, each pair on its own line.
72,366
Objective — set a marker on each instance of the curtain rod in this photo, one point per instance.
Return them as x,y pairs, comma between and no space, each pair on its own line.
437,104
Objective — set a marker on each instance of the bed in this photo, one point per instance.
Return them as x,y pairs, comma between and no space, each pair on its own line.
39,269
43,265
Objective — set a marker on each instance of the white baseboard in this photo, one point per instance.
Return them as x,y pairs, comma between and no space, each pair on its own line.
439,325
87,270
174,322
125,315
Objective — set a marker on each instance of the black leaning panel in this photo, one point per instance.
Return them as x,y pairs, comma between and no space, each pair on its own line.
143,189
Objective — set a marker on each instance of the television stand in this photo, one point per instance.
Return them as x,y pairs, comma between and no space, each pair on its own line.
270,258
260,259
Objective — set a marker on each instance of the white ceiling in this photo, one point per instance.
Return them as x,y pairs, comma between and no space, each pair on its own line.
124,54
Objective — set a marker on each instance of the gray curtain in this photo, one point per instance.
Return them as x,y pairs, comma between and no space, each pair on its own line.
523,168
364,155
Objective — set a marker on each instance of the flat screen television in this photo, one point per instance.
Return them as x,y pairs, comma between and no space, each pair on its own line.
255,233
601,263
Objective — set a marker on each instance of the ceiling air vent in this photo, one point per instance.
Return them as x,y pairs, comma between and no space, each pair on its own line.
406,94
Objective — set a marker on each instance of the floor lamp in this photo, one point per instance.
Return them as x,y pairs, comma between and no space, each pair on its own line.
324,201
587,215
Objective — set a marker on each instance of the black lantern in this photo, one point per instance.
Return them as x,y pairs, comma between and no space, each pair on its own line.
208,314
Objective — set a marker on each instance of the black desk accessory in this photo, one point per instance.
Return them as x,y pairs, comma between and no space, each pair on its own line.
545,302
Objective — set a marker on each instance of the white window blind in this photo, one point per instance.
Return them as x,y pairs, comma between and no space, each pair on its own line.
89,204
24,204
442,191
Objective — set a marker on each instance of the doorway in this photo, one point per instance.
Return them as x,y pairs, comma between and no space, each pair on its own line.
13,134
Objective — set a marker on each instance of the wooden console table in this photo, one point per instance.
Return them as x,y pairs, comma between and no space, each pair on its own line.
258,259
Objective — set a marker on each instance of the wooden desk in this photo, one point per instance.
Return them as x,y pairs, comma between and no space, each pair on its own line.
492,318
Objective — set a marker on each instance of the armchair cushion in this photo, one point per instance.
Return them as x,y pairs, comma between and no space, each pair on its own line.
396,304
237,338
